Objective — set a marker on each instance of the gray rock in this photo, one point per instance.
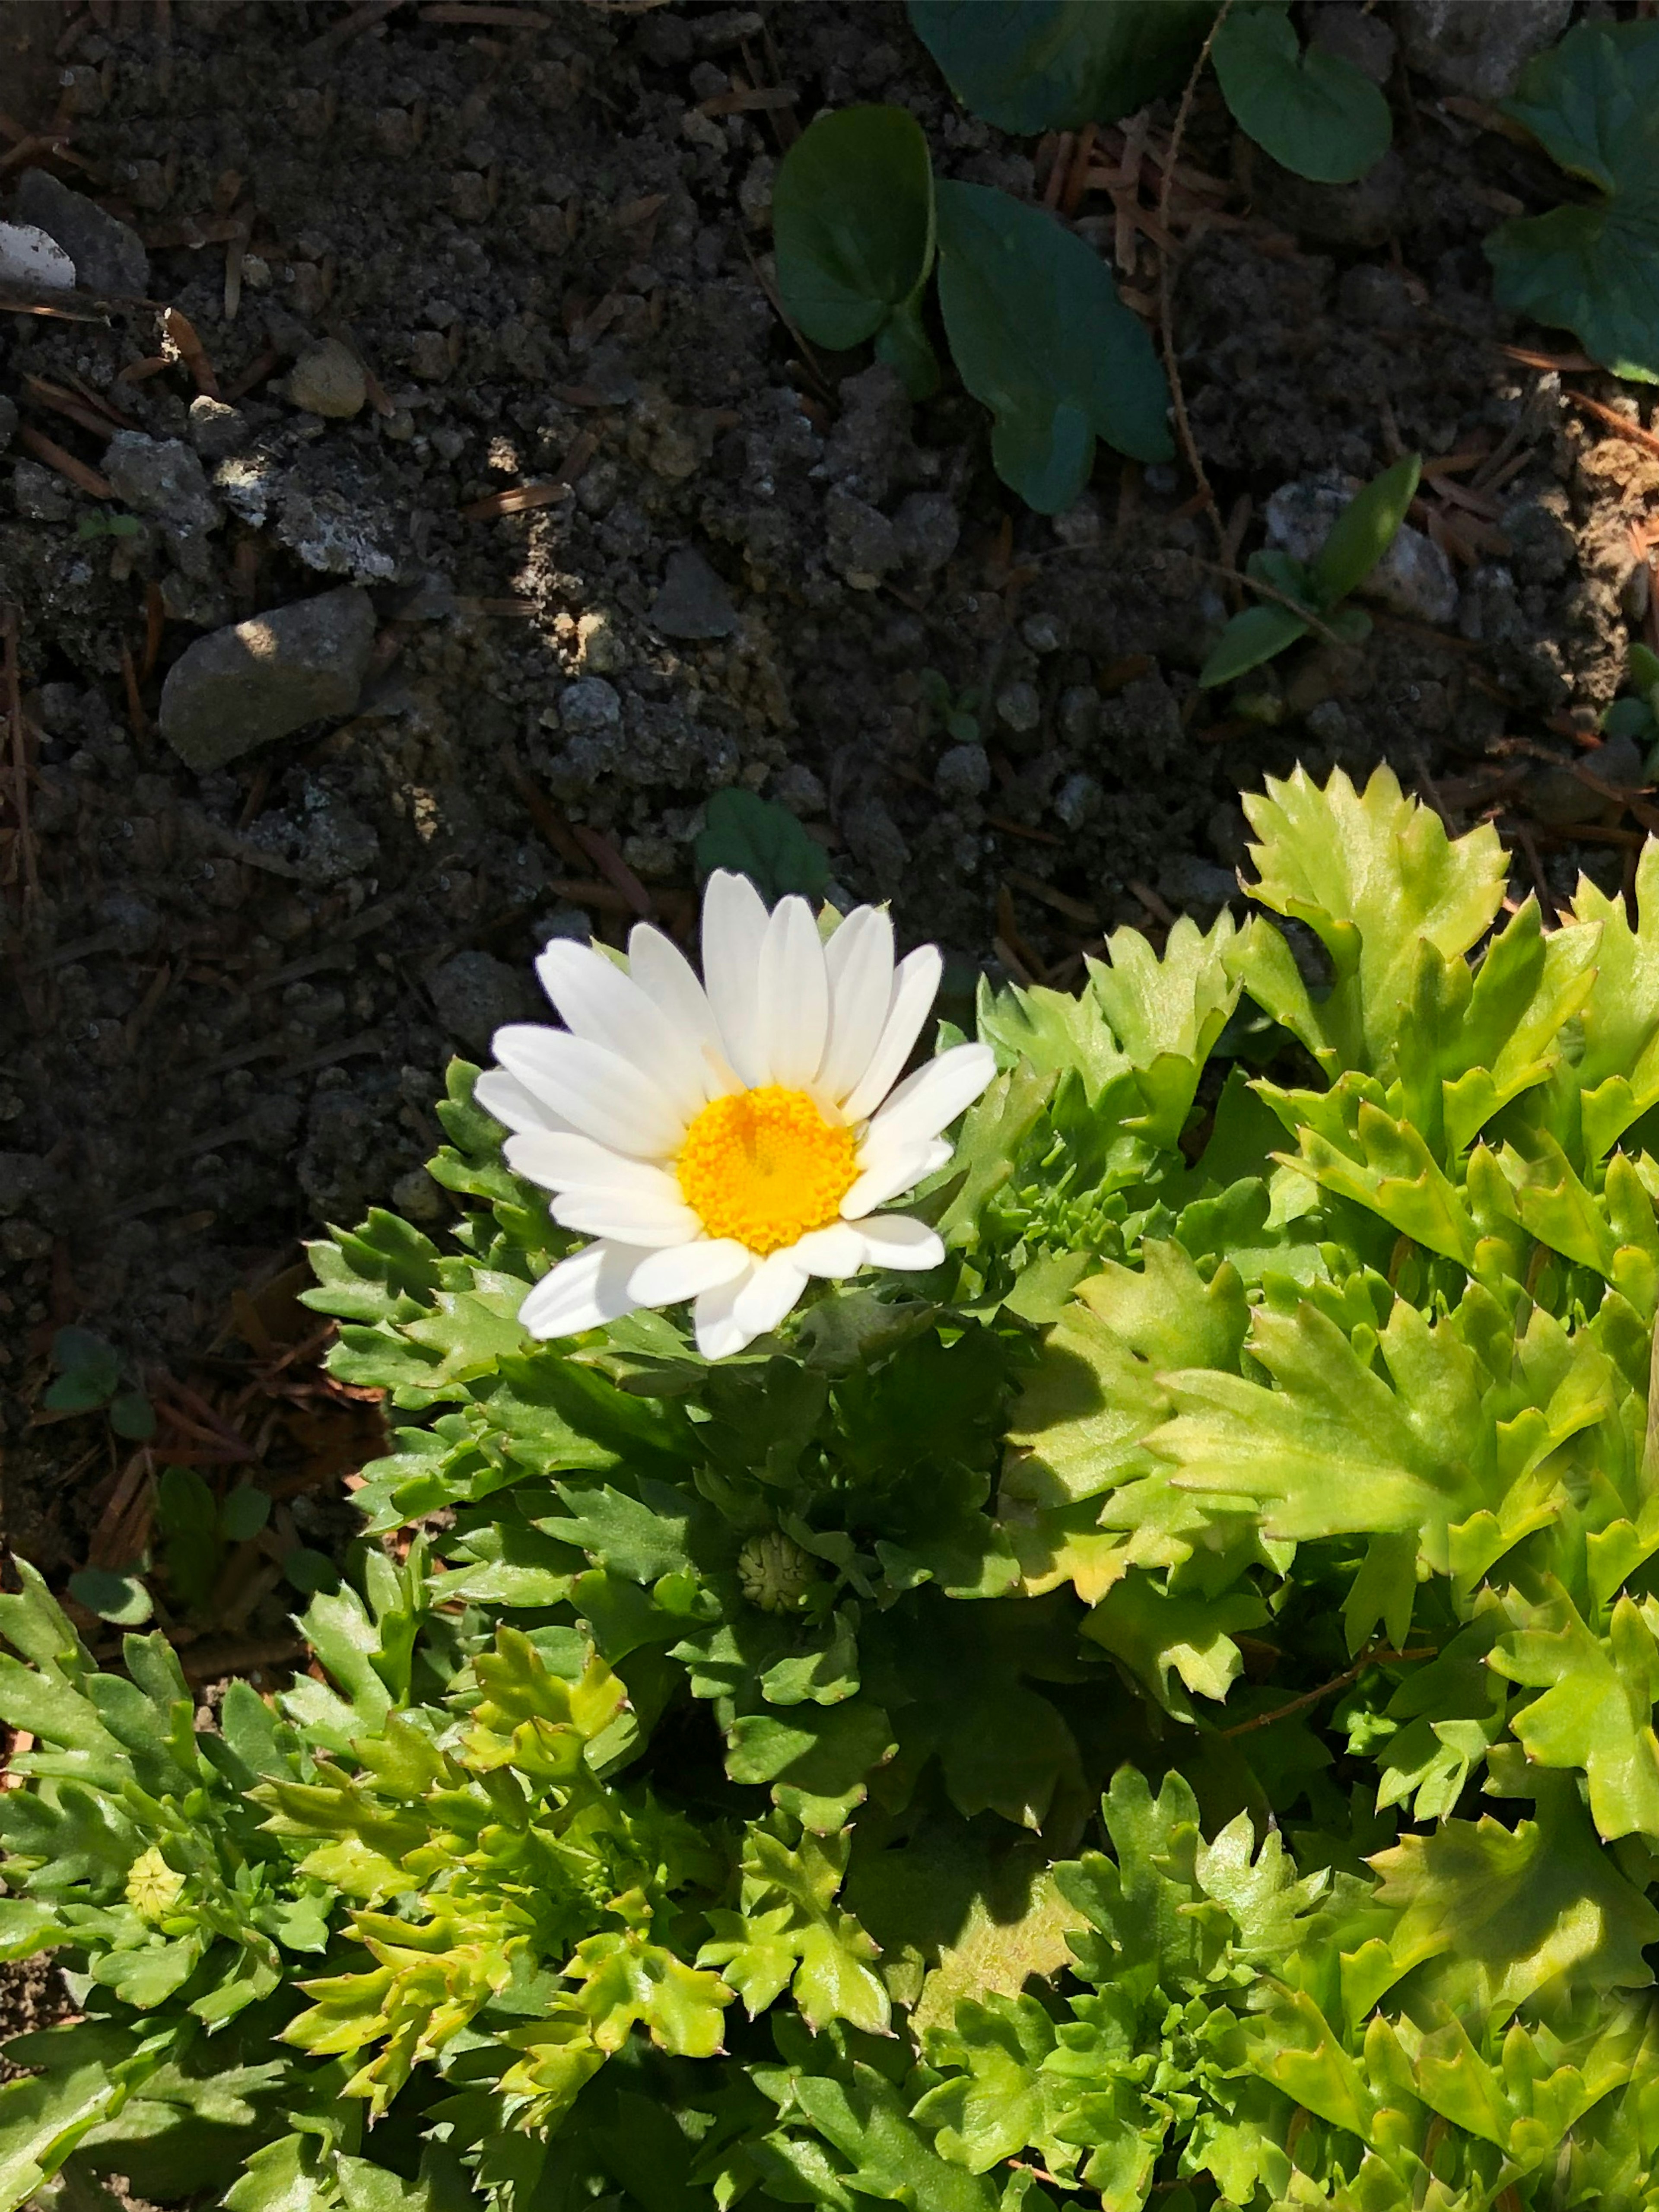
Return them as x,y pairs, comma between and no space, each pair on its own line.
1541,545
40,492
1019,707
214,429
1198,887
859,540
1079,714
338,516
1354,35
22,1176
800,791
1556,798
925,530
1077,798
162,477
1479,47
873,435
475,994
964,772
328,379
1042,632
1413,578
693,601
589,705
108,256
1080,524
243,686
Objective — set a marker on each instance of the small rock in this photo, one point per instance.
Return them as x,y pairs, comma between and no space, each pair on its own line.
40,492
1019,707
216,430
859,540
1198,887
162,477
257,680
563,921
1556,798
601,648
475,994
964,772
1355,35
1479,47
1413,578
1541,545
1077,798
925,530
22,1175
800,791
1080,524
755,192
589,705
693,601
108,256
328,379
1079,714
30,258
186,600
1041,633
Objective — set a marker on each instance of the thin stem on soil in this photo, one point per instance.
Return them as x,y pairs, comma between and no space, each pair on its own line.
1166,289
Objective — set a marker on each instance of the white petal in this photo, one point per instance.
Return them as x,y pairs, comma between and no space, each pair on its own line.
859,961
898,1168
572,1162
608,1008
714,1314
584,1291
688,1270
793,993
665,975
505,1097
915,986
768,1294
596,1091
830,1252
931,1099
896,1239
733,928
626,1219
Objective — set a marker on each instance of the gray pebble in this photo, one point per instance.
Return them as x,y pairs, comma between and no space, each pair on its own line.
925,530
475,994
1078,798
109,255
964,772
1018,707
1079,714
588,705
693,601
240,686
162,477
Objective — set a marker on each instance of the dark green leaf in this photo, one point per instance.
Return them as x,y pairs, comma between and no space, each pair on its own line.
1040,337
760,840
1251,637
132,1416
246,1512
1592,104
120,1598
1313,111
1032,66
308,1570
853,223
1364,532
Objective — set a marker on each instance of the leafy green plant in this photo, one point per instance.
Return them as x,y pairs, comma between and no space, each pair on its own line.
88,1381
1314,112
108,526
1313,593
1035,323
1158,1709
1036,65
852,220
759,839
1637,715
959,713
1592,104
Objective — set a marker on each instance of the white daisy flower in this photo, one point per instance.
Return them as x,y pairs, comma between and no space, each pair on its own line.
726,1140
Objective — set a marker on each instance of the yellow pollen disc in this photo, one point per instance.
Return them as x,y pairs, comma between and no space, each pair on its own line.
765,1167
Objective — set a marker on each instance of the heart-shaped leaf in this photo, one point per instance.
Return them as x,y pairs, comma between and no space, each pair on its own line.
1031,65
1040,335
1593,104
762,841
1313,111
852,225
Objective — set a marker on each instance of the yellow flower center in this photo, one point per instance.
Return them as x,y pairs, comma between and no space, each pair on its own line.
765,1167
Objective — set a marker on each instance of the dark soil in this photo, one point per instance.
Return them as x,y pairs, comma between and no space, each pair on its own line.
546,243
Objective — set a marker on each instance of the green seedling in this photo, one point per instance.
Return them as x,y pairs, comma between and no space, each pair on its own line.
108,526
88,1381
1636,714
1316,590
957,712
760,840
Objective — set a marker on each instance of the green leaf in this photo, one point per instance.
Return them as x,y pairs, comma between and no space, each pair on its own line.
817,1759
132,1416
122,1599
1596,1710
88,1371
1254,635
1034,65
1366,527
757,838
1313,111
852,223
1040,337
1592,104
